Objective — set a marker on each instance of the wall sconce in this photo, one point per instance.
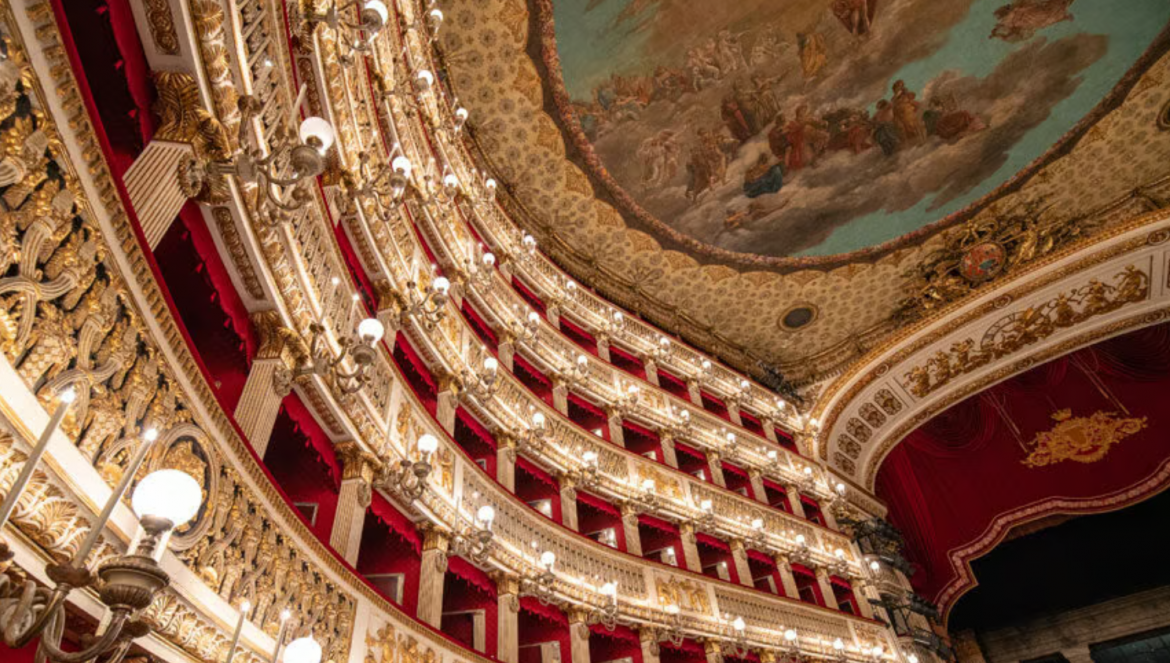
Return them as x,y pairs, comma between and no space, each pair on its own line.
791,646
541,585
626,402
410,479
759,536
352,38
661,352
476,543
576,373
125,584
533,437
802,554
428,306
737,645
282,178
320,361
613,326
590,468
673,632
481,271
607,613
525,331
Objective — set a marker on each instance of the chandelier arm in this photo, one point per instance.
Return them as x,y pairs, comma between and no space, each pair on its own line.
56,629
20,614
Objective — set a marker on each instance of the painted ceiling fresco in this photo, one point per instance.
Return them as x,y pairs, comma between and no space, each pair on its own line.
820,127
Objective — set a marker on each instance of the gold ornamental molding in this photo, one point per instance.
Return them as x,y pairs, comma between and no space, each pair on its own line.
1070,298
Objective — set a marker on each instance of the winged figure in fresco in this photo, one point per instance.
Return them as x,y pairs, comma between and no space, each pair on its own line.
1020,20
857,15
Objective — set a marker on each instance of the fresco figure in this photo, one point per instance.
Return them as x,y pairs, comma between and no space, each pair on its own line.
707,167
807,138
885,131
812,53
729,53
737,118
763,178
911,128
1020,20
702,69
856,15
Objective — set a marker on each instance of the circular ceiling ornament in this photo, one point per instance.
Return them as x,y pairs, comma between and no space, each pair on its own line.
983,262
798,317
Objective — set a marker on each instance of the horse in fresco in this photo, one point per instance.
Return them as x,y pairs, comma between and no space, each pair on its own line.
1020,20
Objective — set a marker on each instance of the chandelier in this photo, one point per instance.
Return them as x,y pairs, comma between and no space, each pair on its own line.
410,478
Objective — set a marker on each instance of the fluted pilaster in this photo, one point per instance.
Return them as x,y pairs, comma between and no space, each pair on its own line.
436,544
742,568
568,485
508,617
353,501
716,469
506,461
690,547
787,580
758,491
630,527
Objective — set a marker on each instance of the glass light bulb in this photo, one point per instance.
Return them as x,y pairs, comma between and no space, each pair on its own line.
534,317
875,566
609,589
757,523
537,420
706,364
807,470
67,395
529,241
424,78
705,505
318,128
246,606
371,330
547,559
589,457
401,165
838,644
486,514
436,15
772,455
302,650
912,658
738,624
150,435
581,360
461,113
441,285
731,438
491,364
790,635
877,651
428,444
489,259
490,184
671,609
841,489
618,317
800,539
648,485
170,494
839,553
450,181
379,7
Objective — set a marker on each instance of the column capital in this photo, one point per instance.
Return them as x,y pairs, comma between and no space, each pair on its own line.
577,614
713,456
506,583
567,480
755,474
783,561
356,462
276,340
736,545
435,538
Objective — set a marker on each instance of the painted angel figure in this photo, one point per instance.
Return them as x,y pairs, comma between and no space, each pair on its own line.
1020,20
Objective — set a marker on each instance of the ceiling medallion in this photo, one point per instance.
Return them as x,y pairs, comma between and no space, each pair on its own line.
798,317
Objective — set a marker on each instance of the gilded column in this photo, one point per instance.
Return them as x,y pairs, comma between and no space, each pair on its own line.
690,547
769,429
794,500
448,402
603,347
714,651
826,586
578,635
614,419
436,543
568,483
506,461
561,397
716,468
758,490
352,502
506,351
669,454
733,412
268,381
651,367
742,568
648,638
630,527
508,617
784,568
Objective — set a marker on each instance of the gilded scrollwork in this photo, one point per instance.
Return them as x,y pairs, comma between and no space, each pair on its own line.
1024,328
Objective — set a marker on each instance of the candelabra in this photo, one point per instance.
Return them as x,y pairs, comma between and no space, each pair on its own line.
428,306
661,351
443,190
430,23
486,384
791,646
420,85
744,396
706,521
758,539
524,331
541,585
736,645
534,436
386,184
673,631
590,468
680,422
839,649
704,371
410,478
489,190
125,584
281,177
613,325
840,564
352,38
647,497
607,613
625,402
476,543
481,271
527,248
321,362
575,374
802,554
